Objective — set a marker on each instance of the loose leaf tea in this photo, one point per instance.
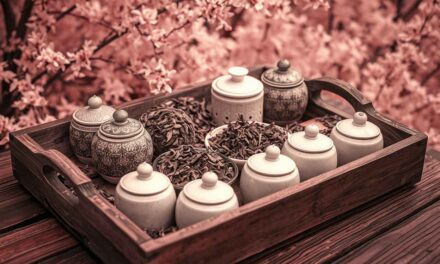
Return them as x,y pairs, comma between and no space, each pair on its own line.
169,128
198,112
329,121
242,139
187,163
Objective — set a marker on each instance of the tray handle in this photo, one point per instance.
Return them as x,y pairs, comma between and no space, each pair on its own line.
352,95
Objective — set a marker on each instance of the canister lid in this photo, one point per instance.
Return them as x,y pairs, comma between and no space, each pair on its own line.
121,126
310,140
271,163
208,190
144,181
358,127
282,76
94,114
237,84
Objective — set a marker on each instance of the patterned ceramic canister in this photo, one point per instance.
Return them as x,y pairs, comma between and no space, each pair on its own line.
236,94
85,122
285,94
120,146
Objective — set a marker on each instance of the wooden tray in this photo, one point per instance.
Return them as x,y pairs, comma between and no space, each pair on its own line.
40,154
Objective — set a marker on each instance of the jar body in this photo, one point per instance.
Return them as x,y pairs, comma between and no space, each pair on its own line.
254,186
225,109
311,164
149,211
189,212
284,105
349,149
80,138
113,158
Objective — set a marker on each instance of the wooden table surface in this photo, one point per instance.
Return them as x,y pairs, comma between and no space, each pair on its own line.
402,226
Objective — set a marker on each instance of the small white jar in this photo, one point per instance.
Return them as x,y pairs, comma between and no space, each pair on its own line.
313,152
355,138
147,197
266,173
204,198
237,94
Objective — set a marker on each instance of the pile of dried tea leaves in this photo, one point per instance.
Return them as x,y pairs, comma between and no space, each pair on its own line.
198,112
169,128
187,163
329,121
242,139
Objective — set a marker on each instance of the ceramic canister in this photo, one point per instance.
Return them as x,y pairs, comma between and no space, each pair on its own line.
147,197
285,94
85,122
119,146
204,198
355,138
313,152
266,173
237,94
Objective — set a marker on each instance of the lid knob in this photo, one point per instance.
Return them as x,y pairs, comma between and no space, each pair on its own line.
283,65
120,116
94,102
238,73
359,119
209,179
311,131
272,152
144,171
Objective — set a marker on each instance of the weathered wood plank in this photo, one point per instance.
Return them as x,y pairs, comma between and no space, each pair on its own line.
76,255
34,242
417,240
5,167
332,240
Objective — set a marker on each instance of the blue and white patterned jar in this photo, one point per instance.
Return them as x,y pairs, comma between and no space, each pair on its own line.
119,146
285,94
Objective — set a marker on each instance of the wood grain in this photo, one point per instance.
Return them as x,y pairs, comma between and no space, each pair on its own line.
342,235
40,153
417,240
34,242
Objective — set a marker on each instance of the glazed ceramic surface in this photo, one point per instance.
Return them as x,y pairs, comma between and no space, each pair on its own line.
119,146
85,123
355,138
285,94
313,153
147,197
266,173
204,198
236,94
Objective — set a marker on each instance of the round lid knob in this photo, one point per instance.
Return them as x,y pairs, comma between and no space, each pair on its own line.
271,162
94,102
359,119
311,131
283,65
238,73
209,179
120,116
358,127
272,152
144,171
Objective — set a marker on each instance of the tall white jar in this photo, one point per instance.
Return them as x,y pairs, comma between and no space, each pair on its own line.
237,94
355,138
147,197
313,152
204,198
266,173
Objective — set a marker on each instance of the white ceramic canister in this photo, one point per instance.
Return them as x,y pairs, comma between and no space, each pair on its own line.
147,197
313,152
204,198
85,122
237,94
355,138
266,173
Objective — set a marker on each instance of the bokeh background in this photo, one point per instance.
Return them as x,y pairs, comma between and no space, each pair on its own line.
55,54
